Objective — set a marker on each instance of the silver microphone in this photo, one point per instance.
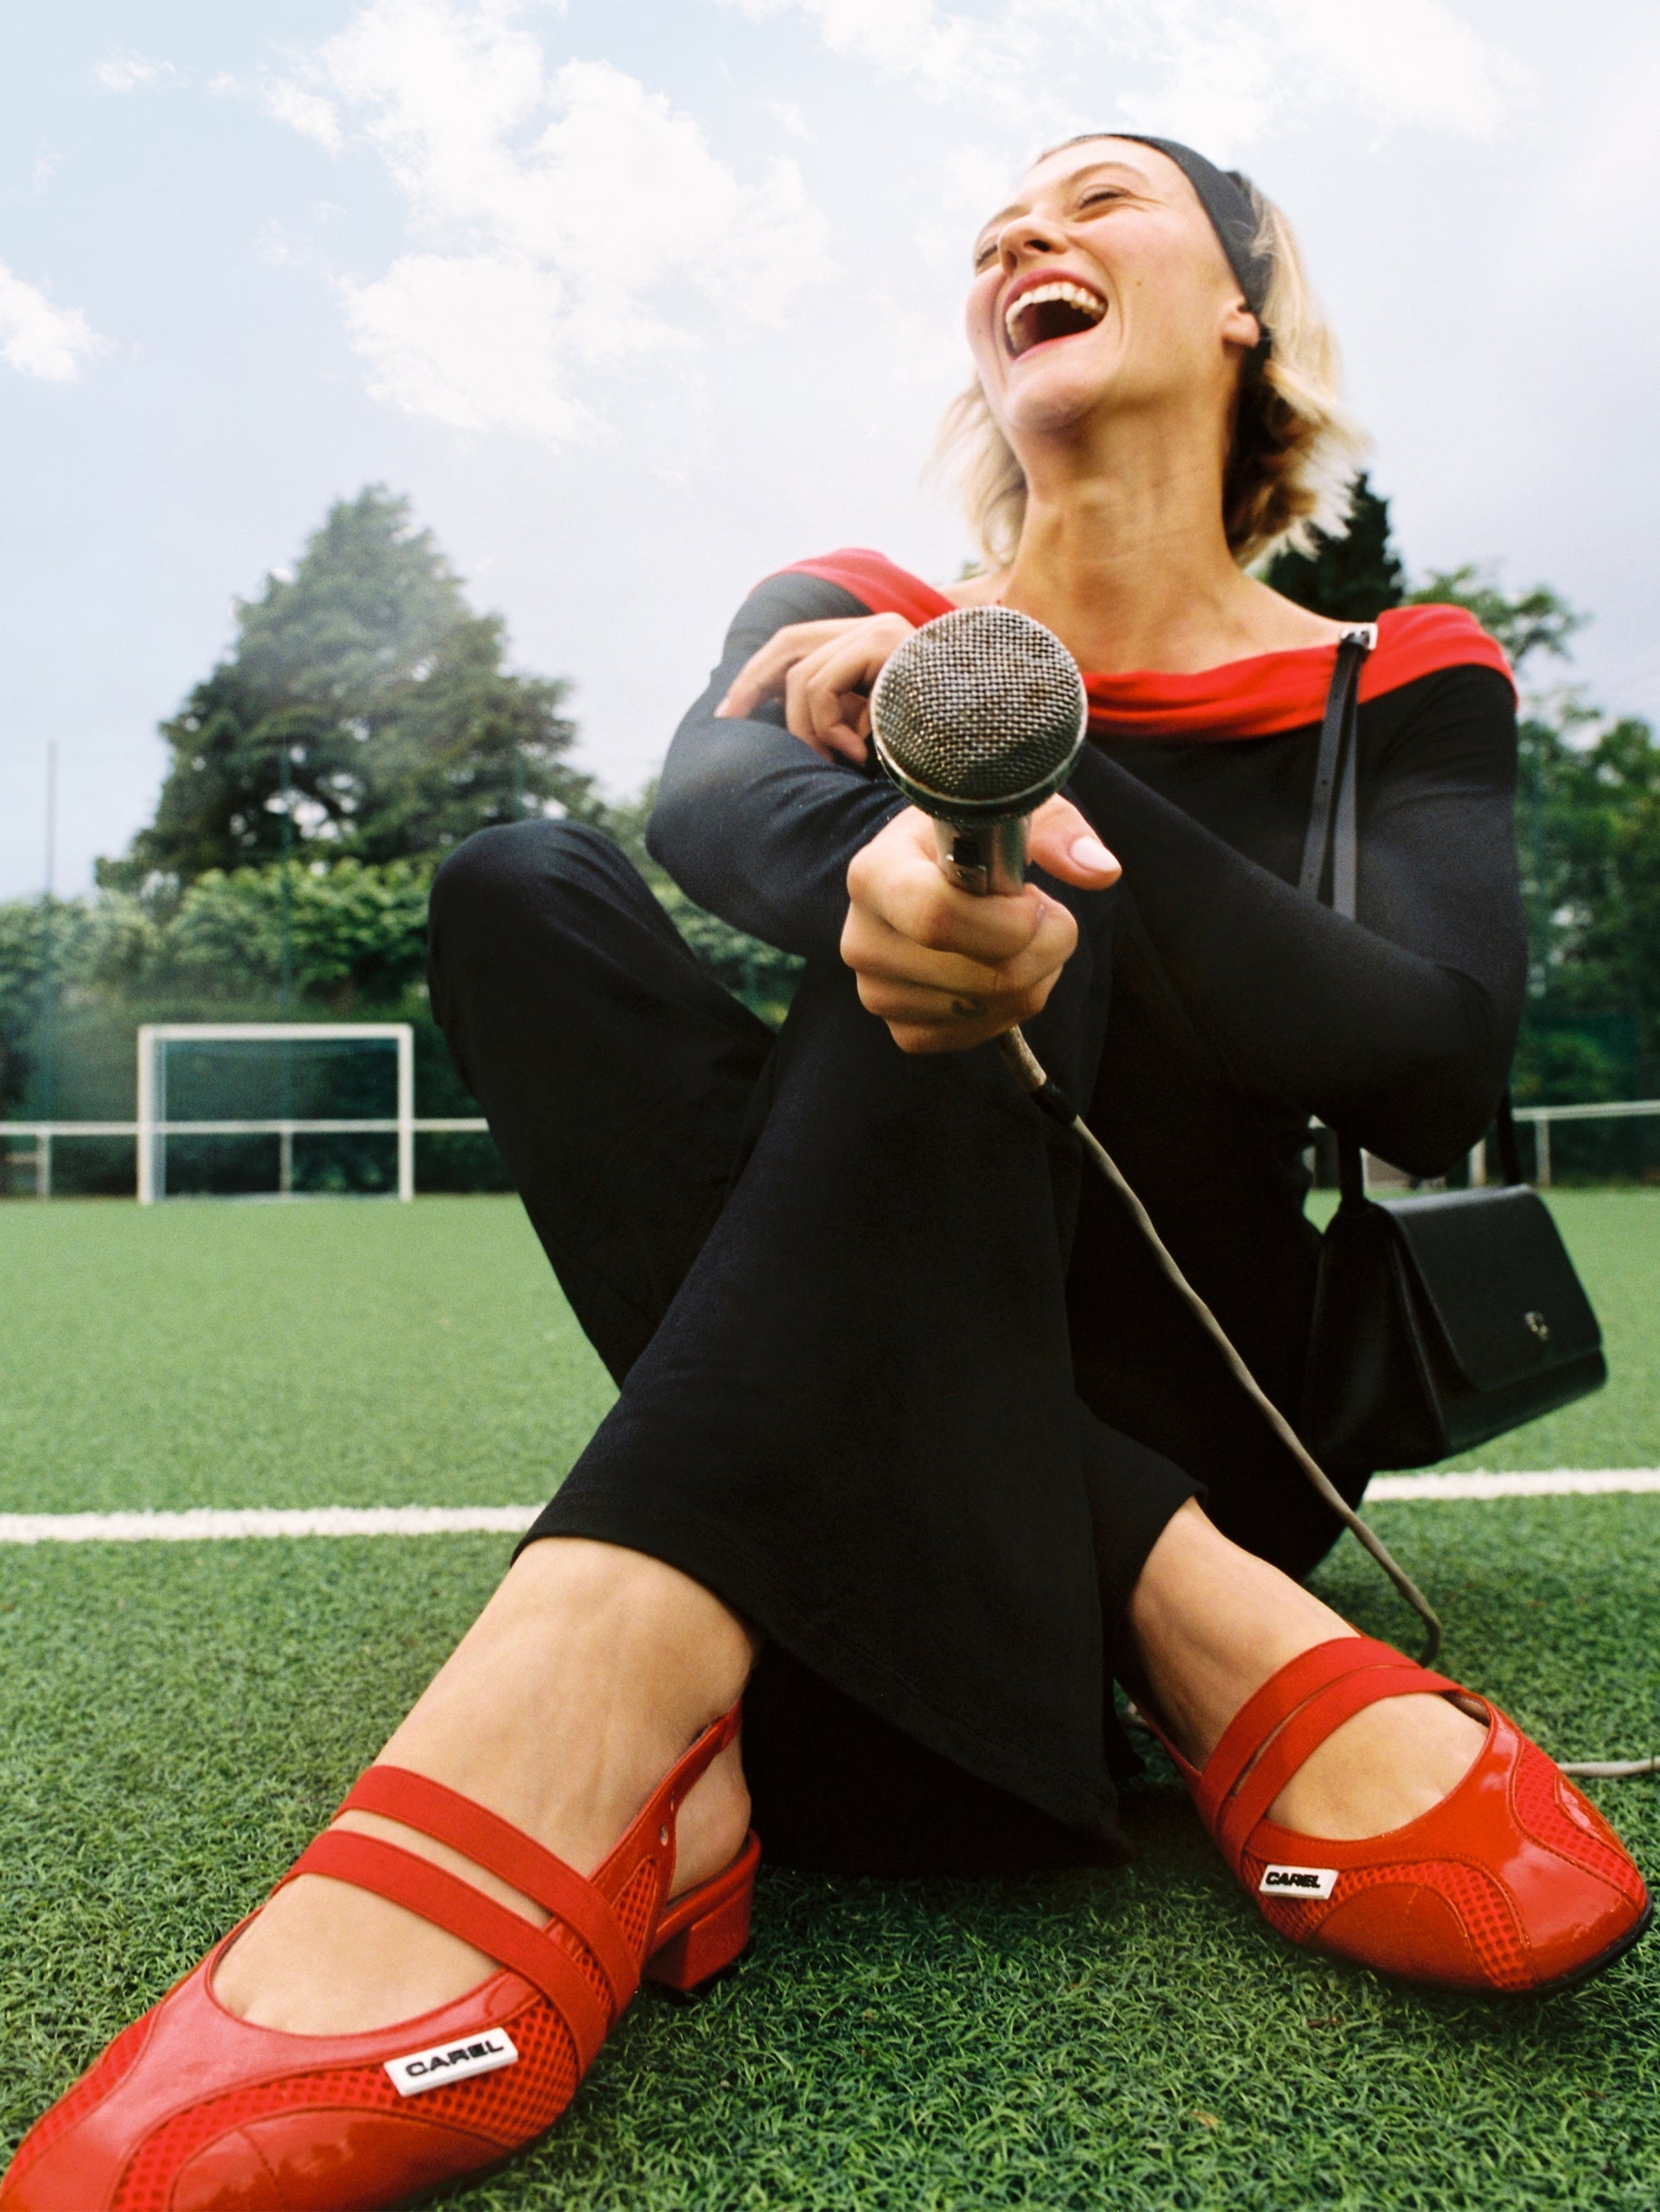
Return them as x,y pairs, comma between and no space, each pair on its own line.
978,718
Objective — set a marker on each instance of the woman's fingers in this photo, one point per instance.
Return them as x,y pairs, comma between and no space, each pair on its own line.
762,675
943,970
875,949
823,671
1064,842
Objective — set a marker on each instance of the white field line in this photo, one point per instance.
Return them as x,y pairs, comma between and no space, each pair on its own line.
1560,1482
206,1522
212,1524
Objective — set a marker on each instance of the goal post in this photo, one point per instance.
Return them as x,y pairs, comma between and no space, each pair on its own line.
156,1123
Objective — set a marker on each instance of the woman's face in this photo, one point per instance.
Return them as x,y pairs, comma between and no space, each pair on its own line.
1102,288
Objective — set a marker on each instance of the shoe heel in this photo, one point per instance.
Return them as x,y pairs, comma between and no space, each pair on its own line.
707,1931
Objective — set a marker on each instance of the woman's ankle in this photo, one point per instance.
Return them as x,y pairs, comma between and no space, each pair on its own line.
1211,1622
587,1676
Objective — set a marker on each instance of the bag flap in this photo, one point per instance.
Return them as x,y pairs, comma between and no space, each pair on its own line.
1496,1274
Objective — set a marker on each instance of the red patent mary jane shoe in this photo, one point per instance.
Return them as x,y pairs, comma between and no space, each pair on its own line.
1514,1883
194,2110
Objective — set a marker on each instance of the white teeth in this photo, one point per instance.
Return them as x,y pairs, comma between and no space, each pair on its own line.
1087,302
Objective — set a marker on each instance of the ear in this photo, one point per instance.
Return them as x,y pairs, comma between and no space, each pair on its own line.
1240,326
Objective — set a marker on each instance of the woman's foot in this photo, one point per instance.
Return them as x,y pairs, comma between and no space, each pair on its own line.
583,1681
1213,1623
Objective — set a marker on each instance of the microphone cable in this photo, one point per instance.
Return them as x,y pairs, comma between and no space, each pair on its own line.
1034,1079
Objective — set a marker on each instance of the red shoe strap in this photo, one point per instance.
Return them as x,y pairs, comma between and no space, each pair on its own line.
660,1810
422,1888
434,1810
1275,1702
1302,1736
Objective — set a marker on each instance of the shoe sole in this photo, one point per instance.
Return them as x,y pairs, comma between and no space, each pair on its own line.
1592,1967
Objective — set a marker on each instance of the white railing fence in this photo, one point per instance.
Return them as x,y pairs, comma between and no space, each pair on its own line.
407,1127
42,1135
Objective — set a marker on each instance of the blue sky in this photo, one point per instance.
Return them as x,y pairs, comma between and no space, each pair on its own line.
639,299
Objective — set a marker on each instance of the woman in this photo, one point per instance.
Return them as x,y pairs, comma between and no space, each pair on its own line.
912,1439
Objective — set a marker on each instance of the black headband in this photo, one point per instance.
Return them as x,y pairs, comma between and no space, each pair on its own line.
1226,199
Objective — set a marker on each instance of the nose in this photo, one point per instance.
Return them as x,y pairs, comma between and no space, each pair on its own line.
1027,237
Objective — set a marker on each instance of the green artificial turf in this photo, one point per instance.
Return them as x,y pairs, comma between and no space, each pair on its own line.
176,1719
214,1354
205,1353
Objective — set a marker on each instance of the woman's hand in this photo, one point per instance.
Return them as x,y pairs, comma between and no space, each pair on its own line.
945,970
823,671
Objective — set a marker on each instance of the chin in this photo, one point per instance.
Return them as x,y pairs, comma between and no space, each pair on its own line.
1054,395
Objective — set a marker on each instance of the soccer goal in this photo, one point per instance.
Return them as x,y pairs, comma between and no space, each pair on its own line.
282,1109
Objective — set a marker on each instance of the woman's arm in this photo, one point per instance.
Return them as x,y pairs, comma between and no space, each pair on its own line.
749,821
1396,1027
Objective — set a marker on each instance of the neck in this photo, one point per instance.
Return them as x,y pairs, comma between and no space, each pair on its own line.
1123,554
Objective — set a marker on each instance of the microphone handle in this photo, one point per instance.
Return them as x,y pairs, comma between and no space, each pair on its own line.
984,858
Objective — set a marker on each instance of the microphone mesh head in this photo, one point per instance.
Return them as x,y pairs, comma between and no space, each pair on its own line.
981,704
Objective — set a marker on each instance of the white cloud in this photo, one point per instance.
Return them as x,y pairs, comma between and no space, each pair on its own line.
1227,72
40,338
471,341
789,118
570,221
126,73
305,111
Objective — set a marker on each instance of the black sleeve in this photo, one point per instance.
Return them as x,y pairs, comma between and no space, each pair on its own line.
749,821
1396,1027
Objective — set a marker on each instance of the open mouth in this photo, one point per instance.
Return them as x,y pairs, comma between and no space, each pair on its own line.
1058,309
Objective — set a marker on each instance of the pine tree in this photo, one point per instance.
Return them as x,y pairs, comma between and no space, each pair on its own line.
364,712
1351,577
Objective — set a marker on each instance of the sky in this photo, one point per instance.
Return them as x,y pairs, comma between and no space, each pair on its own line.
638,300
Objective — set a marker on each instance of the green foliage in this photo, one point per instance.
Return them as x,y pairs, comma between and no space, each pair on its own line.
1524,623
367,687
1352,575
1589,832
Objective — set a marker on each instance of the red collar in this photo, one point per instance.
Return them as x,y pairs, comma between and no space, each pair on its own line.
1242,698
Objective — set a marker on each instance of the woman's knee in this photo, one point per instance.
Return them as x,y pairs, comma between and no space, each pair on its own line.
519,868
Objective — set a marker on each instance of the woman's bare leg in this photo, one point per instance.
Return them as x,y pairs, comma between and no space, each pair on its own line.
581,1682
1212,1623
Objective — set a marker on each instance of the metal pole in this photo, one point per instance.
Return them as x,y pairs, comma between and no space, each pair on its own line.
145,1133
1541,1152
1478,1164
45,1029
286,780
43,1164
406,1113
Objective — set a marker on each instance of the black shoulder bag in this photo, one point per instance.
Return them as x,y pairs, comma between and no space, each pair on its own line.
1444,1319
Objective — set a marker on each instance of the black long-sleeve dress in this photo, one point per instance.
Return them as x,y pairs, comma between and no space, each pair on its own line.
898,1381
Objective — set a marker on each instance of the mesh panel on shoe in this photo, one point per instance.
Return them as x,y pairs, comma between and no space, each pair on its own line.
1554,1815
105,2072
506,2109
1501,1950
636,1906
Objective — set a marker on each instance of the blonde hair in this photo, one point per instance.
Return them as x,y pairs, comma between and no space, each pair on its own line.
1293,448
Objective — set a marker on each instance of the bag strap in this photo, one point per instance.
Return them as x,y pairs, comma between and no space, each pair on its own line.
1334,817
1332,811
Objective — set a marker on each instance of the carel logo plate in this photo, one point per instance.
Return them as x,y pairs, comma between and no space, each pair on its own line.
1298,1880
459,2062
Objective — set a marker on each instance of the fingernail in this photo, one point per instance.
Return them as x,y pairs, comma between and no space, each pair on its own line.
1089,853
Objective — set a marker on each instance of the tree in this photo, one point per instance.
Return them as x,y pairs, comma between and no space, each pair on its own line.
364,711
1352,575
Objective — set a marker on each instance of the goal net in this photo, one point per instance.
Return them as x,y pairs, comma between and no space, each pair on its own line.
275,1109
